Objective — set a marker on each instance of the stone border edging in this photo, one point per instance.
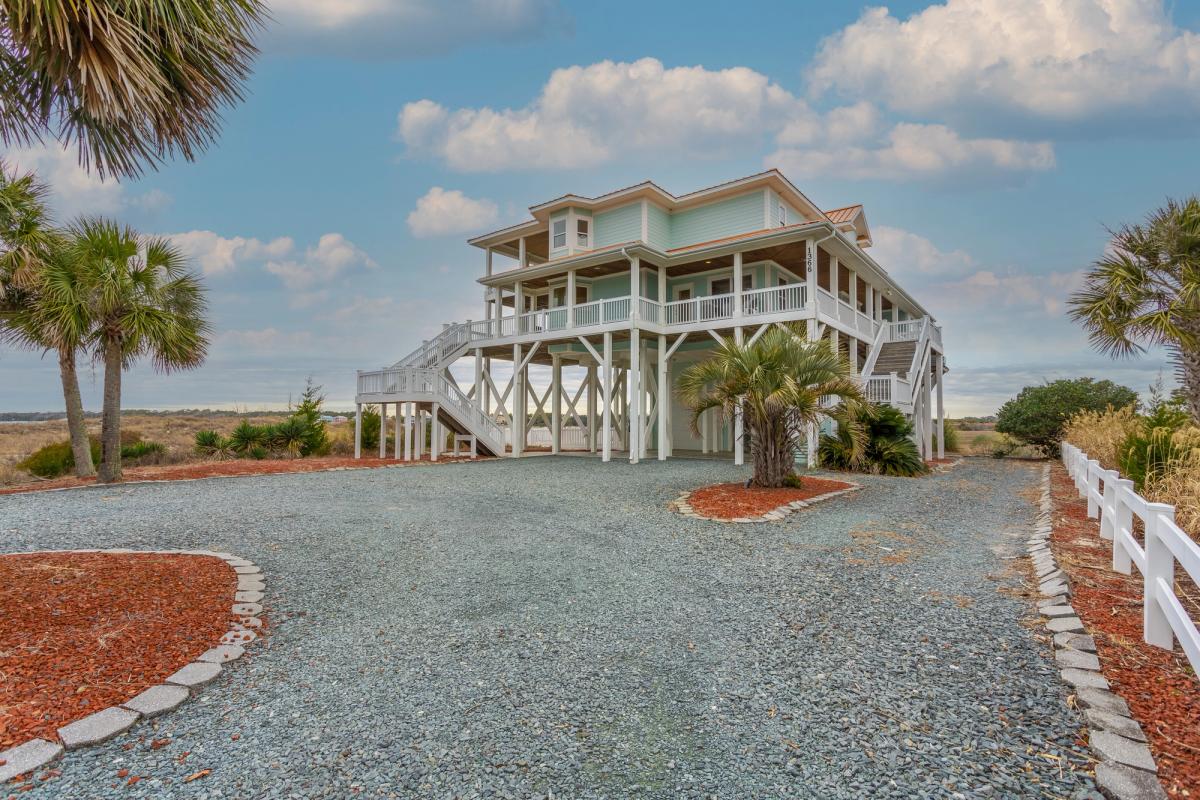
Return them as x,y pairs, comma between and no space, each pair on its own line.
682,507
103,725
1126,768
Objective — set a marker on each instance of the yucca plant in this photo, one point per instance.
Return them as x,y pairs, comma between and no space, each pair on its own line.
289,437
211,444
779,383
246,437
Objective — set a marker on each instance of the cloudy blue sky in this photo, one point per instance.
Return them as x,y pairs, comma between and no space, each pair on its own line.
992,141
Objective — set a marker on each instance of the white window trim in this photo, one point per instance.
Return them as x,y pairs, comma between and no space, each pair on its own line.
565,234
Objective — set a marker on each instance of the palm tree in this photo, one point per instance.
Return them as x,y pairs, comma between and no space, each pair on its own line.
131,82
41,305
1146,291
144,302
778,382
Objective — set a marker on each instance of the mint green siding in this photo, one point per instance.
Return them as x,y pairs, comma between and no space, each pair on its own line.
620,225
740,214
658,222
776,203
700,284
611,286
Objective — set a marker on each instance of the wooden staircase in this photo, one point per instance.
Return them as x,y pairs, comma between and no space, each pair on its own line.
895,357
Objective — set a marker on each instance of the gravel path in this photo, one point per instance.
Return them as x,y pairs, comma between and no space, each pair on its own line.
547,628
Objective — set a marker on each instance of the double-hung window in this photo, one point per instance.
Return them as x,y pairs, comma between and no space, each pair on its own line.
558,231
582,233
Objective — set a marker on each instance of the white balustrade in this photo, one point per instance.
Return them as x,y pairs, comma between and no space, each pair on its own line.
1114,501
774,300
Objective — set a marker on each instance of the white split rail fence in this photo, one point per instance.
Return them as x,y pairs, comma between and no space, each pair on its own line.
1113,499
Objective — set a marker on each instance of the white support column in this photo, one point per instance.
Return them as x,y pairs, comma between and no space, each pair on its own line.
383,430
420,434
522,253
635,289
852,289
834,277
409,432
739,445
593,386
737,286
644,410
634,411
517,429
435,433
662,288
399,434
664,386
556,408
358,430
571,298
852,352
479,388
941,407
487,262
927,413
487,394
518,310
606,425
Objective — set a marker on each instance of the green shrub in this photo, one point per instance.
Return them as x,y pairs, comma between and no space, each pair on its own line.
951,438
211,444
308,414
1004,447
258,453
1151,448
875,438
54,460
370,429
290,437
58,459
246,436
1038,415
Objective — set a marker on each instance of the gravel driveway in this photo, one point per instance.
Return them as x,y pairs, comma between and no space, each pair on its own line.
547,628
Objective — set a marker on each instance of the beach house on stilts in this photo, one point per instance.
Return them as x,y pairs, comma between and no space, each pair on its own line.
593,307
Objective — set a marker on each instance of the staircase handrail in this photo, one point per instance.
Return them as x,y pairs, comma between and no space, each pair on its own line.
876,347
465,405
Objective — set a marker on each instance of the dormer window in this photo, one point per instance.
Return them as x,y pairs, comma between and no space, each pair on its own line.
558,229
582,230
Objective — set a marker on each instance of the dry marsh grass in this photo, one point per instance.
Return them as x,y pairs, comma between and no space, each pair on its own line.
1100,434
176,432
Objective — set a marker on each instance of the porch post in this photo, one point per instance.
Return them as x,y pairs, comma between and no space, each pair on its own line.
593,385
739,450
941,408
664,388
479,387
420,434
606,428
358,430
409,431
556,408
522,253
634,410
383,430
571,298
644,411
927,413
737,286
518,309
435,433
810,286
399,433
518,404
834,277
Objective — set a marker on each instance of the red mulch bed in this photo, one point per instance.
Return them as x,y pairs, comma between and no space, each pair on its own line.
85,631
212,469
1162,691
734,500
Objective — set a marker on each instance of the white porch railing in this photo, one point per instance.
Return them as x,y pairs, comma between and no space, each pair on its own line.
434,386
774,300
1114,501
698,309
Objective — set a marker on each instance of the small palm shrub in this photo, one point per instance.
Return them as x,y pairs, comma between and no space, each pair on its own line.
211,444
289,437
246,436
1149,449
874,438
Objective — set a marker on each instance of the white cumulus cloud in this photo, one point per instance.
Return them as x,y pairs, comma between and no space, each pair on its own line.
447,211
74,189
585,116
333,255
1046,60
217,254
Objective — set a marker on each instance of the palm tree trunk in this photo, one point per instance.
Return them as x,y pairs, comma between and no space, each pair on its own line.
1189,372
81,448
110,428
774,458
